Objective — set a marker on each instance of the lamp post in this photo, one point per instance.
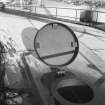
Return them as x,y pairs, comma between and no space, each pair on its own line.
42,2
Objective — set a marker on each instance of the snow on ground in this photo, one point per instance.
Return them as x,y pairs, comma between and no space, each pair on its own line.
15,26
23,30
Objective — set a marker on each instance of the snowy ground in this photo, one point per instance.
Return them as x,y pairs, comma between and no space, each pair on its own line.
23,31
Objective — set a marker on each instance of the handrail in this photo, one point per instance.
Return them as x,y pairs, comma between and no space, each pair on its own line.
76,17
53,7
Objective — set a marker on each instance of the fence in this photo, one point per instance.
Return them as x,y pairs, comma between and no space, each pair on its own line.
67,13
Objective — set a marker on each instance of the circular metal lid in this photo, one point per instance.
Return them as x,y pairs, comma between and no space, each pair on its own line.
56,44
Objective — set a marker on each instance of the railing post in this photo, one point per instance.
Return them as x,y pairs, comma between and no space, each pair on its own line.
35,9
97,17
76,15
56,11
